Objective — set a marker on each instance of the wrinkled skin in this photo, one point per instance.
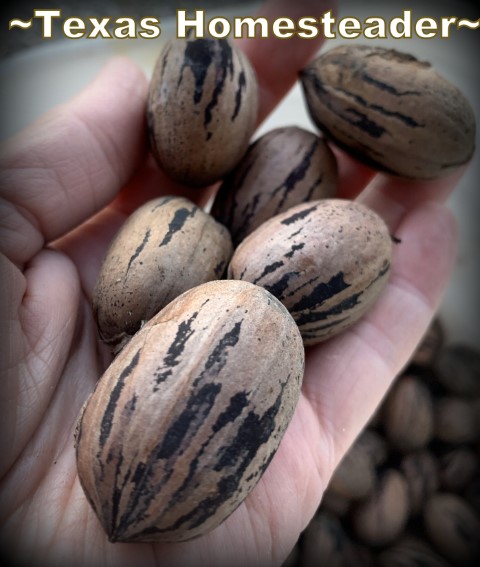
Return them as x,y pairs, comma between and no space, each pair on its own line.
67,184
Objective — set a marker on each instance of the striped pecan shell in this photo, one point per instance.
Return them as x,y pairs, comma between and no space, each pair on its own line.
390,110
326,261
186,419
165,247
283,168
202,109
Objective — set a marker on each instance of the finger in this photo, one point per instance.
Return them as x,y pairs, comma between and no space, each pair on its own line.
277,61
72,162
347,377
353,176
392,197
43,304
150,182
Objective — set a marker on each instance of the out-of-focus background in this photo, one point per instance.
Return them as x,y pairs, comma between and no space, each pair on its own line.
36,75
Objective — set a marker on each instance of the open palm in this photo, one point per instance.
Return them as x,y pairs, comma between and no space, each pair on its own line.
67,184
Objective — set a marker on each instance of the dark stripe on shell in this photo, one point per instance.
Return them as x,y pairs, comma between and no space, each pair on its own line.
198,407
224,66
407,120
298,216
248,213
144,489
294,248
175,350
269,269
297,174
362,122
252,434
220,269
218,356
386,87
237,403
312,332
177,223
242,82
198,57
316,184
138,251
313,316
321,293
382,272
107,419
277,288
199,403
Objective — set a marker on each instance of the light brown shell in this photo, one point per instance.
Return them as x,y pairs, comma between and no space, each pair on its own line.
390,110
327,261
202,109
187,418
167,246
283,168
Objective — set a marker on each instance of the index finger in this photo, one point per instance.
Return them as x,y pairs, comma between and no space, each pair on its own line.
72,161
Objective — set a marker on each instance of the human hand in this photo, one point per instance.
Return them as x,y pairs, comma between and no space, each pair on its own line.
67,184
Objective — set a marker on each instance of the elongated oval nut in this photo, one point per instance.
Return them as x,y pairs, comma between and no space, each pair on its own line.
283,168
165,247
390,110
327,261
202,109
188,416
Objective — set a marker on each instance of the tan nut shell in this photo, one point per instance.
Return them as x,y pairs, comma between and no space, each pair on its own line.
186,419
285,167
327,261
390,110
202,109
167,246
